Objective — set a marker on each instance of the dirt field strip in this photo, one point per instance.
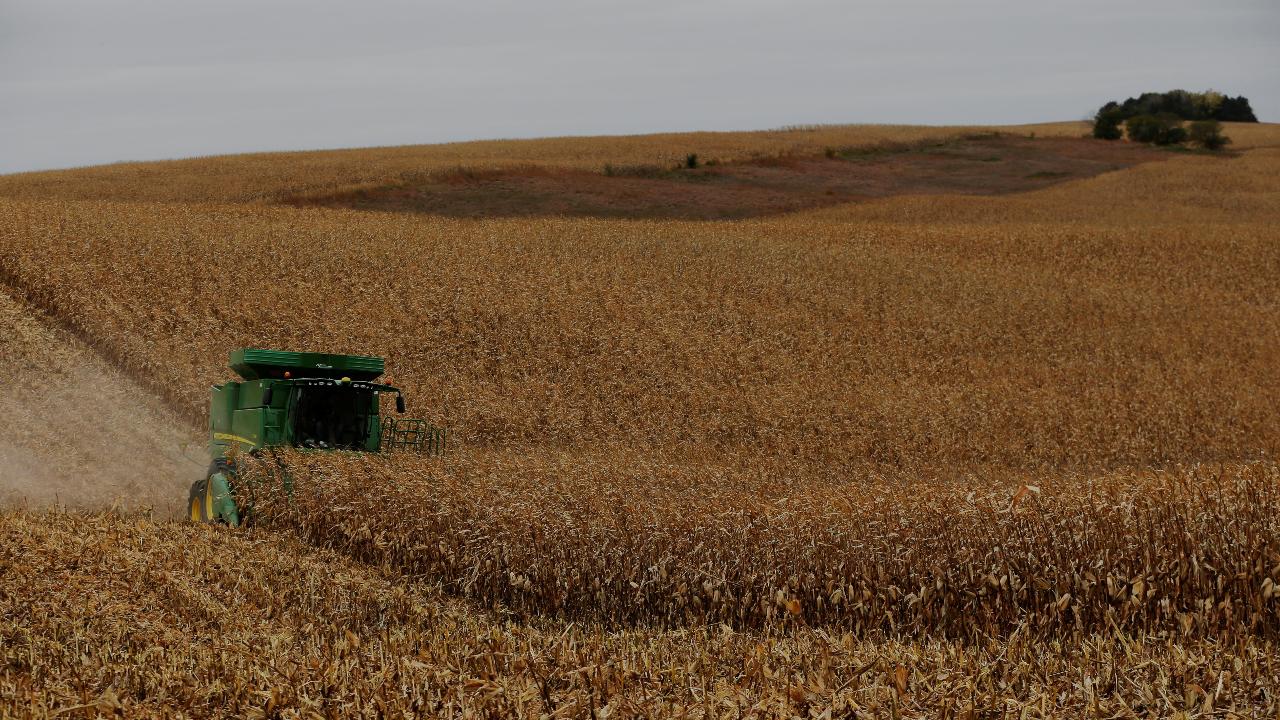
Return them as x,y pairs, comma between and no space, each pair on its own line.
80,433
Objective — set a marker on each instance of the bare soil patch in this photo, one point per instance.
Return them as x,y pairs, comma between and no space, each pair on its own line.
80,433
985,165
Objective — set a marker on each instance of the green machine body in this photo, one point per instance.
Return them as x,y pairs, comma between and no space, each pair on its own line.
313,401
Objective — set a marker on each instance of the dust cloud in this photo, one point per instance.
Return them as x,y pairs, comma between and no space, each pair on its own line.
77,433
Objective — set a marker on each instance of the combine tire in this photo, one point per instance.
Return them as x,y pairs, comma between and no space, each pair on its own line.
210,499
195,501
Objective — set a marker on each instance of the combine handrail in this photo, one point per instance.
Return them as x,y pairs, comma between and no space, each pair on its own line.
412,434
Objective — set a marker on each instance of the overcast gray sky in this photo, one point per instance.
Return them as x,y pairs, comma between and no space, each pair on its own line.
95,81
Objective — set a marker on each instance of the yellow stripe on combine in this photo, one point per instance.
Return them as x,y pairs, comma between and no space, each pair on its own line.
237,438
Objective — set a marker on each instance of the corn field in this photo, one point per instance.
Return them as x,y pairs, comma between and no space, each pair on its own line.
106,616
944,347
626,541
965,457
270,177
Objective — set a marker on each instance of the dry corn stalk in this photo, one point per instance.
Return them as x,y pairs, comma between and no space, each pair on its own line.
631,542
103,616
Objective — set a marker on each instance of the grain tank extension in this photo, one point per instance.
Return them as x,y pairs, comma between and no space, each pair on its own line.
312,401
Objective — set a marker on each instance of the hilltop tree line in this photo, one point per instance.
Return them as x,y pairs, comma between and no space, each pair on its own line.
1208,105
1158,118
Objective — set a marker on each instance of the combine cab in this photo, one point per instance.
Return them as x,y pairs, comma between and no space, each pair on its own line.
314,401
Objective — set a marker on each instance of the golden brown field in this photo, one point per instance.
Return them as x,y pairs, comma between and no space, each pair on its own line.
107,616
272,176
627,541
919,456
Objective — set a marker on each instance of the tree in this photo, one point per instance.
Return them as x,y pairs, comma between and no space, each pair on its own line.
1207,105
1235,109
1106,124
1142,128
1162,129
1208,134
1175,134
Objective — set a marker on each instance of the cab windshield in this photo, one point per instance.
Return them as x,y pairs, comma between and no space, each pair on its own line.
332,417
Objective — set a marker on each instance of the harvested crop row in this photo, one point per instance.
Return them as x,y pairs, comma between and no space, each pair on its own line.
78,432
103,615
627,540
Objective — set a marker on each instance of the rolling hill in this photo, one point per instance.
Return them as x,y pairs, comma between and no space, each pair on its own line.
991,428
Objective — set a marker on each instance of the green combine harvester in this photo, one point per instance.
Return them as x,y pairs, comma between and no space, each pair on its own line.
313,401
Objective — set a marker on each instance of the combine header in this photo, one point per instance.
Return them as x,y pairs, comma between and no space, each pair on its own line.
314,401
